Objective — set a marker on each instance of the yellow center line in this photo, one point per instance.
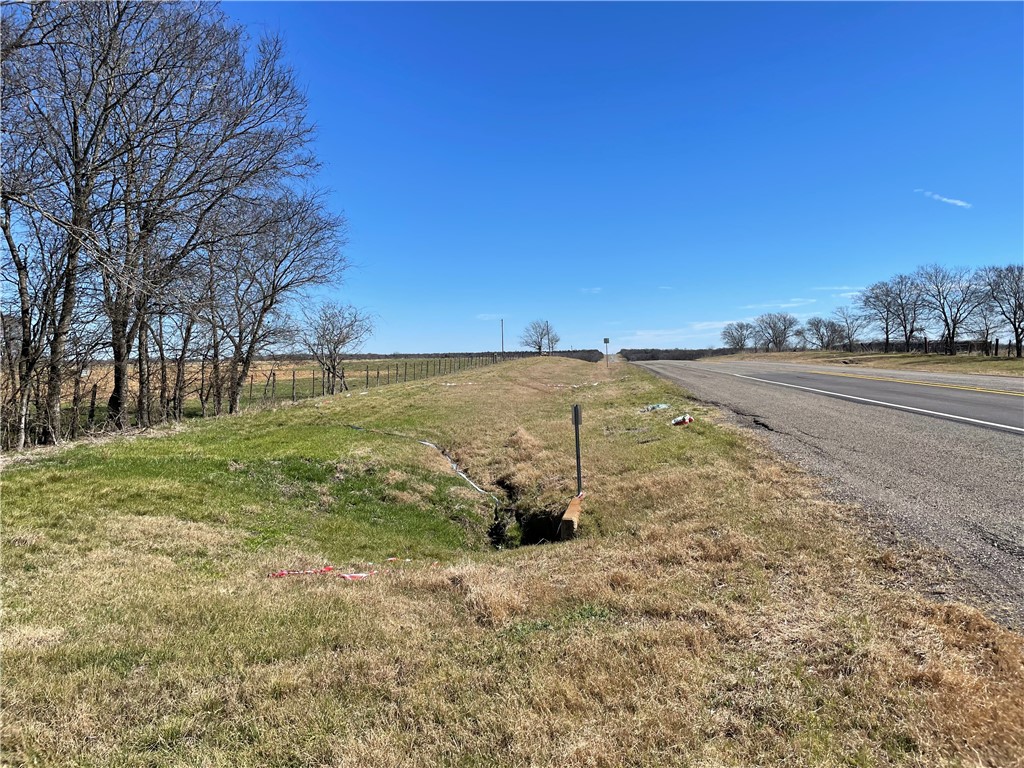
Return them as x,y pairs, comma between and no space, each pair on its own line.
920,383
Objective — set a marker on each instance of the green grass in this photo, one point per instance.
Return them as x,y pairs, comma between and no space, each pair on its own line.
282,476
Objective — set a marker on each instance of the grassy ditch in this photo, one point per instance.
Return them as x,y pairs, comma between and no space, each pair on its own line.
994,366
716,611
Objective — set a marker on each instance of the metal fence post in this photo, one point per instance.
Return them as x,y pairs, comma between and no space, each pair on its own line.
577,419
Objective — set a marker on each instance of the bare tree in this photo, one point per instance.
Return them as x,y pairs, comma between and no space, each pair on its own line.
774,329
1004,287
330,330
800,341
951,295
57,110
907,296
823,333
851,323
34,267
202,127
27,24
878,304
985,323
148,165
295,244
737,335
540,336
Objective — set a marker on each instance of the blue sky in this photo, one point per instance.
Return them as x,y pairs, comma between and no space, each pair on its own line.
650,171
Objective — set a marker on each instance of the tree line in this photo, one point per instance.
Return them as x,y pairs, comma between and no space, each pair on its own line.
654,353
157,206
944,304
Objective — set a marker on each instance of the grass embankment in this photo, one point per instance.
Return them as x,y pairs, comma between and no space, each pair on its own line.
270,383
716,612
995,366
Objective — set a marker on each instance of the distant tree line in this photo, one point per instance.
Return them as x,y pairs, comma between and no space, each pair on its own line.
944,304
639,355
586,355
156,207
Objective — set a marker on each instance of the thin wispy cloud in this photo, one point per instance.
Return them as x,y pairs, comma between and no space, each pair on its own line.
666,288
788,304
941,199
848,295
839,288
590,291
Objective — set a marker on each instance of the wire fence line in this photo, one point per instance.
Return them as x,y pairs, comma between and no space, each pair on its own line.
270,383
283,383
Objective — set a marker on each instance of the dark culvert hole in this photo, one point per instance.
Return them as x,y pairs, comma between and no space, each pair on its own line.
515,525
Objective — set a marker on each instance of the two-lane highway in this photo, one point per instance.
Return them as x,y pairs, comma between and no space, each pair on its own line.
990,403
939,457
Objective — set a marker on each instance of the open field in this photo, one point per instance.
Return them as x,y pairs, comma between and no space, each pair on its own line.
716,611
271,381
1001,366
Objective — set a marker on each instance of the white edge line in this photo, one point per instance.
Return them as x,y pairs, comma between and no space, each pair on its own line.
888,405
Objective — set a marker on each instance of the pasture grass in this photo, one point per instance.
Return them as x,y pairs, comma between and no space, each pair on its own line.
935,363
716,611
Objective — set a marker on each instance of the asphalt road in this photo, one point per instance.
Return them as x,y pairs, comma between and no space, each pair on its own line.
935,458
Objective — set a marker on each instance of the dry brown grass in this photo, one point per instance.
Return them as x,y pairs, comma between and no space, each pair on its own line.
717,611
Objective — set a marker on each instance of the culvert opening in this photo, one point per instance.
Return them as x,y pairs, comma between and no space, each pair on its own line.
539,526
519,525
513,527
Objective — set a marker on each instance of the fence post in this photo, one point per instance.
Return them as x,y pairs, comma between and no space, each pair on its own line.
293,385
273,387
251,377
378,375
577,419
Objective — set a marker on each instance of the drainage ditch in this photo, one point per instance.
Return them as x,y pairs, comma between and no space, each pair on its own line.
513,524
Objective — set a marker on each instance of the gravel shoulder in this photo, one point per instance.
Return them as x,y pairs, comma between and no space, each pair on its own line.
950,489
